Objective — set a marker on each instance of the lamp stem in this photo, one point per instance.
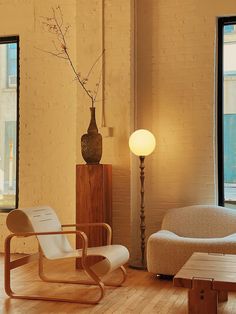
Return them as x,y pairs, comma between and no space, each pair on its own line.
142,215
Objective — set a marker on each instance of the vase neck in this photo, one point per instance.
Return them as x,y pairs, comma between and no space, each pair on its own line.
92,125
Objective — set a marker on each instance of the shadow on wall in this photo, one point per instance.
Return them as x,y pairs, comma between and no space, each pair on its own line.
143,94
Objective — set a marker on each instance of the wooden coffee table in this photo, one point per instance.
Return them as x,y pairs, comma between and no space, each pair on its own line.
209,277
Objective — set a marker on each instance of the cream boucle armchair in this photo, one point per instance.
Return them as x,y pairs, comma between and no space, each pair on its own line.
200,228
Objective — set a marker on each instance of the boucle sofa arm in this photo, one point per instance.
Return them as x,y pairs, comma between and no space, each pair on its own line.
167,252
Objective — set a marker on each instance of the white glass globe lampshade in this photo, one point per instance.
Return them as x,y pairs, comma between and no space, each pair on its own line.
142,142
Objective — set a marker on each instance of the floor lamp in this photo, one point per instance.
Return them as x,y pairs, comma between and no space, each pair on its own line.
142,143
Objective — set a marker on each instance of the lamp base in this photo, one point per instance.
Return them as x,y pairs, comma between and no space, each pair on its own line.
138,265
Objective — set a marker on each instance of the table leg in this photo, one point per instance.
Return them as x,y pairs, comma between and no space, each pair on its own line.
222,296
201,298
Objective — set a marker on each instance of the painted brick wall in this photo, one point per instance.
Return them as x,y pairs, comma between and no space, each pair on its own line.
54,112
117,96
47,112
176,101
175,95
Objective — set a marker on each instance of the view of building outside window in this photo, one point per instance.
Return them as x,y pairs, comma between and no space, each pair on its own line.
8,124
229,69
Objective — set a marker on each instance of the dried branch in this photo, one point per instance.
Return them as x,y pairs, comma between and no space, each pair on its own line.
97,85
55,25
96,61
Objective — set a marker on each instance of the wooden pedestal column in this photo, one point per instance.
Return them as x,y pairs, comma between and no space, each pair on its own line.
93,201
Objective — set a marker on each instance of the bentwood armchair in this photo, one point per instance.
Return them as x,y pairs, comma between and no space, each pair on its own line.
43,223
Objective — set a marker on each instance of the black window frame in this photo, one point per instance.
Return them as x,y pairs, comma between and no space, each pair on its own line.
222,21
12,40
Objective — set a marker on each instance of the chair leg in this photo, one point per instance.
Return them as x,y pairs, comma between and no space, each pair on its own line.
7,275
97,280
14,295
119,283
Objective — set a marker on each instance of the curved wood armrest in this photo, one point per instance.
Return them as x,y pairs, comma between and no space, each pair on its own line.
82,235
94,224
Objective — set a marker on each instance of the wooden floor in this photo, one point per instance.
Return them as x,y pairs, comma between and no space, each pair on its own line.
141,293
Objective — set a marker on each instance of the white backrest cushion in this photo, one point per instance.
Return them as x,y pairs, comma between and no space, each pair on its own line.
200,221
40,219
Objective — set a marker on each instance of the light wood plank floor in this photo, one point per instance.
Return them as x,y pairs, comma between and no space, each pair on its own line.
141,293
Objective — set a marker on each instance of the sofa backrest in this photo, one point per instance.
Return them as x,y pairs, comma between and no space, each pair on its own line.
200,221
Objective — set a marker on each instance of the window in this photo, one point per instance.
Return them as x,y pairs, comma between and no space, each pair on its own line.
9,122
11,64
227,111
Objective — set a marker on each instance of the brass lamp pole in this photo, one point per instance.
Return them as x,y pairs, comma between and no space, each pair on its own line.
142,143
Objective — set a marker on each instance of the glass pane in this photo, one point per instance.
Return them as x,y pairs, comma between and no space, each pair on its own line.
12,59
229,70
8,124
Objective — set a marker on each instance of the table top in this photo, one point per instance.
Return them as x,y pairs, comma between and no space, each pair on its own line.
220,268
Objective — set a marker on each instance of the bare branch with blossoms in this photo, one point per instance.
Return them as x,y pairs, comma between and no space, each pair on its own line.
55,25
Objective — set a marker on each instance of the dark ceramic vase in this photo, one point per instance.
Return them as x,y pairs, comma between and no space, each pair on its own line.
91,142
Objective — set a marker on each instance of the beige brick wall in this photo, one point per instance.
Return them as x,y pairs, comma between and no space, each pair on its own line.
47,111
117,96
176,101
54,112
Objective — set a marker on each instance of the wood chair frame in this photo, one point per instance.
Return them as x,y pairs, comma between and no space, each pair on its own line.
96,280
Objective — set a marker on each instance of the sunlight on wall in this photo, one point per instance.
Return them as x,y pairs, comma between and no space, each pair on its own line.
175,100
54,112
